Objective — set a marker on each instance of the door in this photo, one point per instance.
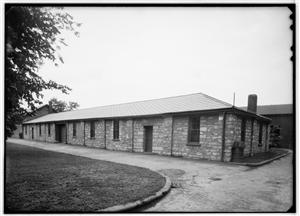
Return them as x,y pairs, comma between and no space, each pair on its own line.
148,136
61,133
32,133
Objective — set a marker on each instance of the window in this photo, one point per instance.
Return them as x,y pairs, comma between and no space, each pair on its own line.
243,130
49,129
92,129
40,129
74,129
260,134
194,130
25,129
116,129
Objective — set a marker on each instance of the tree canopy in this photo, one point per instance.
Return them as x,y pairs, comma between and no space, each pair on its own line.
61,106
32,35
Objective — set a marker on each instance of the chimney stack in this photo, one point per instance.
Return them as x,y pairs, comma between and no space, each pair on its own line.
50,107
252,103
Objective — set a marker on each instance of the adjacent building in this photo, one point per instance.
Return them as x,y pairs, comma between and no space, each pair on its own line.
41,111
194,126
282,118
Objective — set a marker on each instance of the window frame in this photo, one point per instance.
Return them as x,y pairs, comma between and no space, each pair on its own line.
40,129
92,129
243,129
49,129
116,130
74,127
260,134
192,130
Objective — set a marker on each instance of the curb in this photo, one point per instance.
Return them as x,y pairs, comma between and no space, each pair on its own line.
138,203
263,162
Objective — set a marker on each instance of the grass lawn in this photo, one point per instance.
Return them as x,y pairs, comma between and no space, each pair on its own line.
43,181
262,156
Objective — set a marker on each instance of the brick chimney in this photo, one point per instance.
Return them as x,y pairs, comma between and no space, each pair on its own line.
50,107
252,103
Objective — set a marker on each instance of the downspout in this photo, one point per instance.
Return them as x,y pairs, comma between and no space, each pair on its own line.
45,132
104,134
172,132
251,138
223,137
84,133
67,130
132,136
267,134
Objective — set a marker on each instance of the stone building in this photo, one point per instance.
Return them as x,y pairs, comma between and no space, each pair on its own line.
41,111
194,126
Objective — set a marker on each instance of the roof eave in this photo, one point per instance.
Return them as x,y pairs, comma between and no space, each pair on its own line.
252,114
225,109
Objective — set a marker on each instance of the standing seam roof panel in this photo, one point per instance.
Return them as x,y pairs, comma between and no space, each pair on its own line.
185,103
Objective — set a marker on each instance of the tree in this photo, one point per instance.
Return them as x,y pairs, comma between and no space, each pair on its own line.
61,106
32,36
275,136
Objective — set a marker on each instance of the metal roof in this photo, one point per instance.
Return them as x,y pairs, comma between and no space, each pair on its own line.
274,109
184,103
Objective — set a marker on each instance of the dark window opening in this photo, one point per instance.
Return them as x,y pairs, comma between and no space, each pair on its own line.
40,129
92,129
49,129
260,134
243,130
74,129
25,129
194,130
116,129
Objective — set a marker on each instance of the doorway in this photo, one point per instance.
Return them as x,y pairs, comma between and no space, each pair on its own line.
148,137
61,133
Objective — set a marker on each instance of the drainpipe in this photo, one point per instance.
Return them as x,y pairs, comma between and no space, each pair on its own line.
67,129
251,138
223,137
45,132
172,132
104,134
84,133
266,139
132,136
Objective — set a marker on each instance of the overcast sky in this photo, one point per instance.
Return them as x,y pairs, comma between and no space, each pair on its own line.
131,54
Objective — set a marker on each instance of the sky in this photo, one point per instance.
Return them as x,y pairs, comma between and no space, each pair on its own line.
129,54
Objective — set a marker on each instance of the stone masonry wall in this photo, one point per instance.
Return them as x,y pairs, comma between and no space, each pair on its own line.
44,132
26,134
259,147
233,133
50,138
247,137
210,146
124,143
162,130
42,136
98,140
78,139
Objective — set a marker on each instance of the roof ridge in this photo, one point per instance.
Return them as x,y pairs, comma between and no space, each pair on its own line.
217,100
